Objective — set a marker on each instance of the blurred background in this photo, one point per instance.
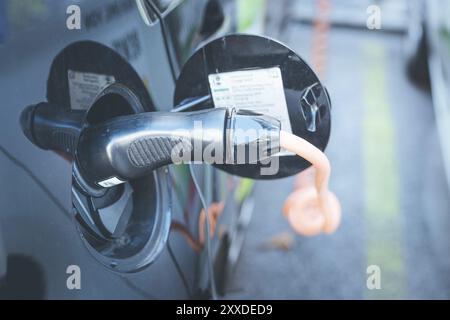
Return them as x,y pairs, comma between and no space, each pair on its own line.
386,66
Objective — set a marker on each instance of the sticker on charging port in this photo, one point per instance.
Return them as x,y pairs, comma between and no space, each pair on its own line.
258,90
114,181
85,86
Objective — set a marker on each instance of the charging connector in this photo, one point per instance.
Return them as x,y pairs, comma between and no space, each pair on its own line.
132,146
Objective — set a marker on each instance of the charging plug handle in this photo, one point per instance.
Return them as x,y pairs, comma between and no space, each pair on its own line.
130,147
52,128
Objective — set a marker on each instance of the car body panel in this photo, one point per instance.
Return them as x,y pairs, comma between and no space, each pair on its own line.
36,220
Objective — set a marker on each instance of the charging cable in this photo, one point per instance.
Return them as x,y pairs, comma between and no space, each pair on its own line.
311,209
207,233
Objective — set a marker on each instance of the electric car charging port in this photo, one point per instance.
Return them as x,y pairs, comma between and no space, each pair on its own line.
124,226
121,192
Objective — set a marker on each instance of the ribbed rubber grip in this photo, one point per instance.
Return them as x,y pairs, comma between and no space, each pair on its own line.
64,140
149,151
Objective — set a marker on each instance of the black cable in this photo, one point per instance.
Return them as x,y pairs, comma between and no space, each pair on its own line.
179,270
152,7
191,104
41,185
187,106
60,206
172,69
207,241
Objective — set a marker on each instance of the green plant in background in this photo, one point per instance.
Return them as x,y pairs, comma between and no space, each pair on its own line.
383,223
249,14
21,12
444,36
243,189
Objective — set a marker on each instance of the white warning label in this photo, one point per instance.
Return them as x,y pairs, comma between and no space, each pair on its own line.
258,90
114,181
85,86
